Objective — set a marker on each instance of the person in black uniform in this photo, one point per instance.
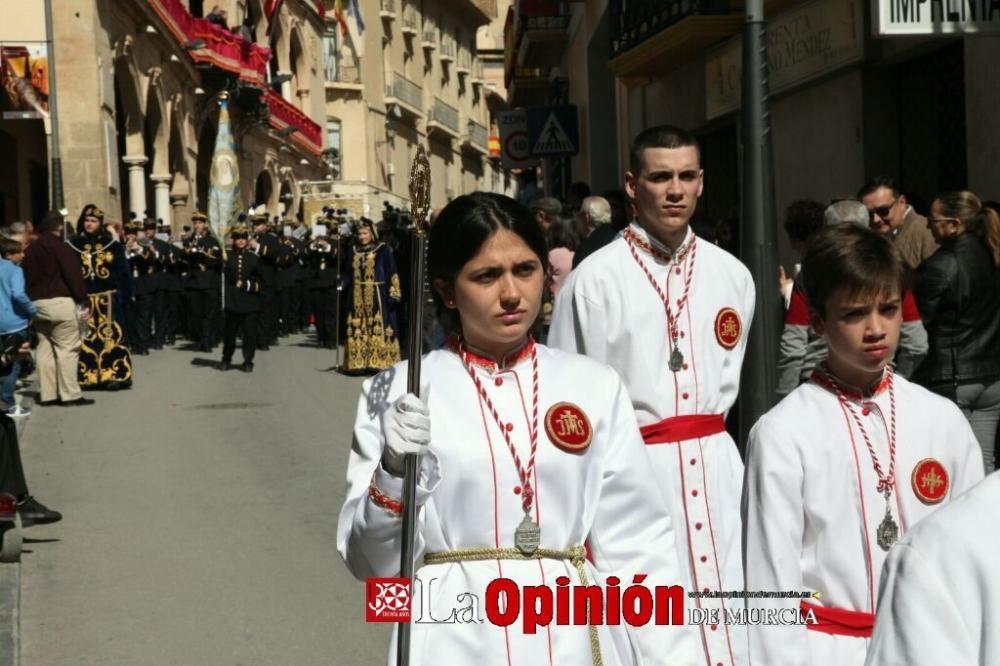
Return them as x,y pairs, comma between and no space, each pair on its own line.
173,288
163,254
139,310
242,299
266,245
323,288
286,281
204,254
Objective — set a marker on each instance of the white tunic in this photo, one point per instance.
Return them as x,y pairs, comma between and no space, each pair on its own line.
939,602
811,505
608,310
606,493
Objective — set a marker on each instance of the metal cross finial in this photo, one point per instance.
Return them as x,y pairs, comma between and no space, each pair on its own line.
420,190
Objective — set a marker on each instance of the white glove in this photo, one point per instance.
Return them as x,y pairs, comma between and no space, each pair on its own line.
407,428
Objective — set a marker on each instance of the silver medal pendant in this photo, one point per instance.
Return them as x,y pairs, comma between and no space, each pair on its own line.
888,531
676,360
527,536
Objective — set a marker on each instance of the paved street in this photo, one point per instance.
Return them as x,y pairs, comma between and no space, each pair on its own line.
200,519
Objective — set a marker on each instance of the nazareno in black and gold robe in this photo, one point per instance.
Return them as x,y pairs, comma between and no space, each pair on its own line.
105,359
373,293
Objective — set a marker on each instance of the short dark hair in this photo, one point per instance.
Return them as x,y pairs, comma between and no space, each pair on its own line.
803,218
661,136
51,221
863,261
460,231
562,234
878,182
9,246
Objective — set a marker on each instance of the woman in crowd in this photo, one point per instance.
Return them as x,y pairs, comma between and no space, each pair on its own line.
373,292
105,360
958,294
562,243
525,454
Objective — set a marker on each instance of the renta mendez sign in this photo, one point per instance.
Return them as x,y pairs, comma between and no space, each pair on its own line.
892,18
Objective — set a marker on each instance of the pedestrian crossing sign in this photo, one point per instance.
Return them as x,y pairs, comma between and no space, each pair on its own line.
552,131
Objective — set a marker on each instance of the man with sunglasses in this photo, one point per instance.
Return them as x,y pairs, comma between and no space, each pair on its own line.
891,215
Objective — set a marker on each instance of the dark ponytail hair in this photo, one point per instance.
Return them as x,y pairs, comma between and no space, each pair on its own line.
978,219
460,230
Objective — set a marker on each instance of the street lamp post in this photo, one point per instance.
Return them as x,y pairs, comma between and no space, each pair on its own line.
757,393
57,184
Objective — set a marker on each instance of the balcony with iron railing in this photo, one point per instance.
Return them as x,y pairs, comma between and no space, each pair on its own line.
645,34
411,20
406,94
477,137
284,115
343,73
527,86
464,64
447,48
444,118
387,9
541,32
212,46
429,37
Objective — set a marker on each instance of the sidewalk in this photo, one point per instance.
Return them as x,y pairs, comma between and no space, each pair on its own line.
10,572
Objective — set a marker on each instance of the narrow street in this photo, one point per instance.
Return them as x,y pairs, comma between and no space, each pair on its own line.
200,519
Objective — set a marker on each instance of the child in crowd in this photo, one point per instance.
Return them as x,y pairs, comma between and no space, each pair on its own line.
847,462
16,311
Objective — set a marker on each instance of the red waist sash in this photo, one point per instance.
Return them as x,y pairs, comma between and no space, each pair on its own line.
681,428
840,621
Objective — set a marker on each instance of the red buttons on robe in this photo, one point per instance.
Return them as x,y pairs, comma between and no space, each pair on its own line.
498,381
706,590
866,411
682,334
677,270
714,627
697,526
684,395
517,490
704,558
694,493
510,426
685,366
693,461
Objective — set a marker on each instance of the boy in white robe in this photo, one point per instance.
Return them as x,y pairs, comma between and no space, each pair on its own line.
847,462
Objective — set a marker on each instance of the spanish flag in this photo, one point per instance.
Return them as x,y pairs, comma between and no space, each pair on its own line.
338,13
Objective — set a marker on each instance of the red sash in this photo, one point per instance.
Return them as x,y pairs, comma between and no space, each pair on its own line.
840,621
681,428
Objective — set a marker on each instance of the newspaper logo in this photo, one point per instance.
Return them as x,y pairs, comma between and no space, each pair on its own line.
387,600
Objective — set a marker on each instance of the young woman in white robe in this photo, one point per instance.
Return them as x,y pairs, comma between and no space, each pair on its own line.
586,479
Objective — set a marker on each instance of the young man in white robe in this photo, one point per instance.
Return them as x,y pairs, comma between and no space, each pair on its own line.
670,313
846,463
939,602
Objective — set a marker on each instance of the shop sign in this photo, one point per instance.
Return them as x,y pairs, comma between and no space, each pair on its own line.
813,39
895,18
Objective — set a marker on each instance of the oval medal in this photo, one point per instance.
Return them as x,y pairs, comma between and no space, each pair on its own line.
929,481
728,327
568,427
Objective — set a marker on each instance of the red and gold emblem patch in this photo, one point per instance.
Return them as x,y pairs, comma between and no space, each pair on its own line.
728,327
568,427
930,481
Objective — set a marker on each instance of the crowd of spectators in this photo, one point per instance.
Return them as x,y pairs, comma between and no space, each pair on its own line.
950,335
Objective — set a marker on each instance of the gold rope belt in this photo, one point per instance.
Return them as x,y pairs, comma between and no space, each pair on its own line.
577,555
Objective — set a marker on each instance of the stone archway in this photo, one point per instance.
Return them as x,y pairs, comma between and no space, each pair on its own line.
298,68
155,133
130,127
264,191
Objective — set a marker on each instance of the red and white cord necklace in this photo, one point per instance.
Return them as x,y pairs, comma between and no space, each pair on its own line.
527,536
676,362
888,530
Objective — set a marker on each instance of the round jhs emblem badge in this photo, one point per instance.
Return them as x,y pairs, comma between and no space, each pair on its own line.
728,327
568,427
930,481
